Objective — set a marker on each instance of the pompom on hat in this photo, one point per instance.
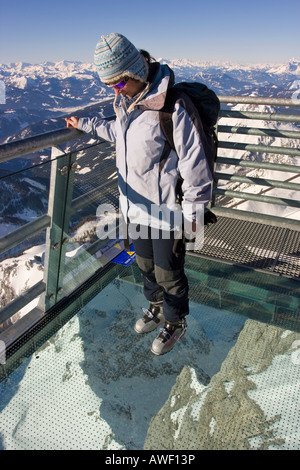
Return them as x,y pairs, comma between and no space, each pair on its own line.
116,57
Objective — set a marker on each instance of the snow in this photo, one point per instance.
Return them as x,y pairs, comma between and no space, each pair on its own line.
25,271
83,171
212,426
229,386
60,377
277,393
96,384
177,418
49,429
34,183
202,392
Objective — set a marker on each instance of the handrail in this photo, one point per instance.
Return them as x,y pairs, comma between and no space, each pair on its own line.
261,165
259,197
20,148
259,181
260,116
19,302
257,131
260,148
45,221
245,162
23,147
259,100
26,146
30,229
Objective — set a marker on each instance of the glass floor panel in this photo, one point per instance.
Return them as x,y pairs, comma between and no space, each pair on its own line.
92,383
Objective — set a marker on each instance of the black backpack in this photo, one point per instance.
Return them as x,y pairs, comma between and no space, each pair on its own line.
207,106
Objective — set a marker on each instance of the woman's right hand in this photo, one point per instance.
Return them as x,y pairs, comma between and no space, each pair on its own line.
72,121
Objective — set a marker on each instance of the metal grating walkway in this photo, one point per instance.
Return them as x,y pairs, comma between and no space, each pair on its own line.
84,380
252,244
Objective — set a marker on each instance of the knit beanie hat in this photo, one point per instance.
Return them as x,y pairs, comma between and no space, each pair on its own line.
116,57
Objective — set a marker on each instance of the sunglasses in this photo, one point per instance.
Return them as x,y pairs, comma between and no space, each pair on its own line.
120,85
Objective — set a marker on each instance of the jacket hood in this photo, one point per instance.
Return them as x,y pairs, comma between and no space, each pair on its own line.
160,78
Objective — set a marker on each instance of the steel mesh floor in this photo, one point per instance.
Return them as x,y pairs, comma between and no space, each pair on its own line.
255,245
231,383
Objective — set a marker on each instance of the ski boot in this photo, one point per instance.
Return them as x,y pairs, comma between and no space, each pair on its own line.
152,319
168,337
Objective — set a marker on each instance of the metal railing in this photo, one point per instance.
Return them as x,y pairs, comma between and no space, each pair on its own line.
61,184
61,206
246,164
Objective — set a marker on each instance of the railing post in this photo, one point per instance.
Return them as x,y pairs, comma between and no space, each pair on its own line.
59,209
214,182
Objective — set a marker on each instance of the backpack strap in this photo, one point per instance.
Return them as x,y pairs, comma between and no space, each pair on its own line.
165,117
166,123
165,114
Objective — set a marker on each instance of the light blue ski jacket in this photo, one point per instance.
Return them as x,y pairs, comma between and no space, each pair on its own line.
147,169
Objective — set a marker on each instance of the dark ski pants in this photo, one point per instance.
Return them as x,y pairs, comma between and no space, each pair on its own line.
163,272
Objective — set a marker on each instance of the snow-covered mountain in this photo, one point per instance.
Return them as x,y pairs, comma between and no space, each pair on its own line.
227,78
91,352
39,96
45,92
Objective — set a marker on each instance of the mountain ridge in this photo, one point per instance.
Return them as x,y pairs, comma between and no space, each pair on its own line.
49,90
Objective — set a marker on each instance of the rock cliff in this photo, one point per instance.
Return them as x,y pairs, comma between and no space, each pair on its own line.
251,403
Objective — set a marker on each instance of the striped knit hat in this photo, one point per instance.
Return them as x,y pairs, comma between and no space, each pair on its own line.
116,57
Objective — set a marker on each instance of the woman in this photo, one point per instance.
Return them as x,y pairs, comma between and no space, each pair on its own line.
148,172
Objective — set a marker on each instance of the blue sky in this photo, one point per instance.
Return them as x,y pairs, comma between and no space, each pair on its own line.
240,31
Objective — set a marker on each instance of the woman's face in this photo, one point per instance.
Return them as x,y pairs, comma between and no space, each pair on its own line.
131,88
